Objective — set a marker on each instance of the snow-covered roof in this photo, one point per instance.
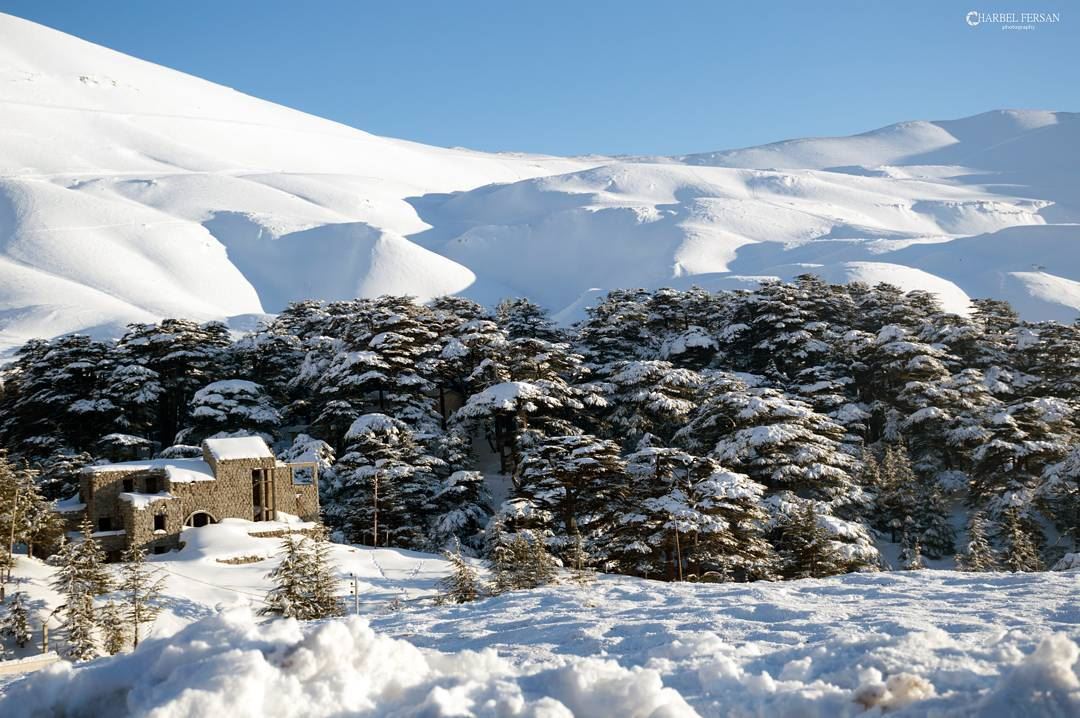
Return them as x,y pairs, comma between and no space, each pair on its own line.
238,447
124,439
141,501
178,470
69,505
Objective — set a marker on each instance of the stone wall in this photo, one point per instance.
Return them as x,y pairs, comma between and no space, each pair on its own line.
230,495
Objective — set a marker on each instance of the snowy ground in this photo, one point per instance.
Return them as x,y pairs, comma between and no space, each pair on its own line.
912,643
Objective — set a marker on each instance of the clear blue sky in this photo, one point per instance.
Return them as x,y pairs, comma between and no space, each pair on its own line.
599,76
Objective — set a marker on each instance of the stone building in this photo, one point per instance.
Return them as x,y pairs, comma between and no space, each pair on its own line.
148,503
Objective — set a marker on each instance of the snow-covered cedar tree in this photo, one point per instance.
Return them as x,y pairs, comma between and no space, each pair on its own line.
616,329
25,515
112,628
460,512
805,546
1019,548
81,575
850,542
519,561
978,554
787,328
141,587
15,623
186,357
686,515
135,391
911,558
305,587
181,451
649,397
308,449
230,407
520,318
1059,495
503,411
565,486
912,504
117,446
780,442
384,487
462,584
1025,438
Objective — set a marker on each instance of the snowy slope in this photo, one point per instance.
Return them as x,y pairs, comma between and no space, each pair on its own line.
130,192
911,643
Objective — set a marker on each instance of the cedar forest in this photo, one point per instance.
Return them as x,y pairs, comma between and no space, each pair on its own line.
737,435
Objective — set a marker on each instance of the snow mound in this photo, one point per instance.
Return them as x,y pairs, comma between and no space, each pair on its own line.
230,664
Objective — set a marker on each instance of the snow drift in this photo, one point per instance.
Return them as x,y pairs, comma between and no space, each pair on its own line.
130,192
231,665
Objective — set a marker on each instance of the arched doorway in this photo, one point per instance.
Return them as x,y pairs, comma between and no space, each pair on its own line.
199,518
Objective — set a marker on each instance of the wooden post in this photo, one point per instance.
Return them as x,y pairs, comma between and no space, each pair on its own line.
375,515
678,551
356,595
273,495
14,520
45,636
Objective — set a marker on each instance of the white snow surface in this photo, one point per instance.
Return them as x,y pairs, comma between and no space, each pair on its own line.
177,470
915,643
130,192
238,447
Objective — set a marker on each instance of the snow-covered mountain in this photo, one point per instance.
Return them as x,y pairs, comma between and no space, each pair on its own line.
129,192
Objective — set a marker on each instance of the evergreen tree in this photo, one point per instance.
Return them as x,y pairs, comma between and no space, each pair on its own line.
779,442
520,561
911,558
112,629
16,623
384,487
1025,439
1058,496
58,475
52,397
684,514
978,555
232,407
25,515
617,329
564,486
81,626
520,318
649,397
185,355
82,565
1019,550
460,511
805,547
462,584
304,584
134,391
142,587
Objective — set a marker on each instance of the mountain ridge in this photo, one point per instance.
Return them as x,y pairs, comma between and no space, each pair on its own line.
130,192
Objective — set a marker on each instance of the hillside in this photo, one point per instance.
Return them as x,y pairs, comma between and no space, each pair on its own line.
910,643
130,192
